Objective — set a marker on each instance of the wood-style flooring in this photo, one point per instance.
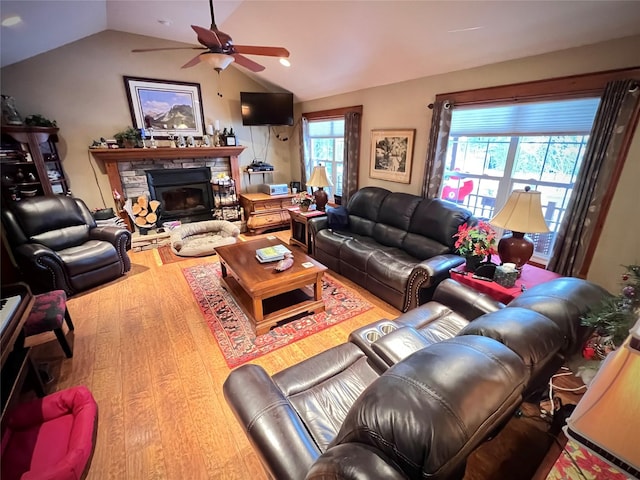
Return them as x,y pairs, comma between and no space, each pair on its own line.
142,347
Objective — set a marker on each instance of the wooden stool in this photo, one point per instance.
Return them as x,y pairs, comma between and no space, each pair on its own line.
49,310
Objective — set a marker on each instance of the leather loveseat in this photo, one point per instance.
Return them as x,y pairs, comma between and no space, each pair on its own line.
58,246
396,245
414,396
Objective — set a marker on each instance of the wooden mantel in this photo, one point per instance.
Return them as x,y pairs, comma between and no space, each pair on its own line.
112,156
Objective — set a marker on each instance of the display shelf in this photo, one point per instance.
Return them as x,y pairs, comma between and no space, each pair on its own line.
31,152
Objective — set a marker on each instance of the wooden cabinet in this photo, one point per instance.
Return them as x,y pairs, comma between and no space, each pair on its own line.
30,163
265,212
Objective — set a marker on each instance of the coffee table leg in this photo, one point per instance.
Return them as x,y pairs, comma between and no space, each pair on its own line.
318,288
258,314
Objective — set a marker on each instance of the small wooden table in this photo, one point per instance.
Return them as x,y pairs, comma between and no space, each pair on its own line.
267,296
300,234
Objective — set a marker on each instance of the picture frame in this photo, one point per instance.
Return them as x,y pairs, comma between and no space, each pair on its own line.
392,155
161,104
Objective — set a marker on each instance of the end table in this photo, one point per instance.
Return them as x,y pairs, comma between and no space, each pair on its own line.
300,234
530,276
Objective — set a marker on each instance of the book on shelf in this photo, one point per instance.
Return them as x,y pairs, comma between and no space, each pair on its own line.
271,254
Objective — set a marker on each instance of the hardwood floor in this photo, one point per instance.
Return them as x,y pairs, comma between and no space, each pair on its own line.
142,347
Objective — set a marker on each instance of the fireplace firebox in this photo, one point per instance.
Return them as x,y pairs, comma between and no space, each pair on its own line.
185,194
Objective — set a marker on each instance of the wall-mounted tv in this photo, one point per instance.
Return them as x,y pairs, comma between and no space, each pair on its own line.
259,108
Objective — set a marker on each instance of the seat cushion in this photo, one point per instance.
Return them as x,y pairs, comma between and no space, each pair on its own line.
88,256
47,313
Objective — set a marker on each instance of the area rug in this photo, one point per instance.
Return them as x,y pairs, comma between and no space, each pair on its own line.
232,329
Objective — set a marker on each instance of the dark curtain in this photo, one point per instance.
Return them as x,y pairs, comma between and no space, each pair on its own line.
437,152
607,135
351,160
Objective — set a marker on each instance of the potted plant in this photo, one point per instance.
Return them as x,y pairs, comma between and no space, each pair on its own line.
475,243
304,200
612,319
128,138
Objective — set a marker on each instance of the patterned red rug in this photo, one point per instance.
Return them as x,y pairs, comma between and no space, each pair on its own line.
231,327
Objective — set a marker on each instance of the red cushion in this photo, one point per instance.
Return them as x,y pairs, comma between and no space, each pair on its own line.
51,437
47,313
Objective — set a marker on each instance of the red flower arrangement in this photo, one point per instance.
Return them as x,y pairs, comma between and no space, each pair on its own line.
478,240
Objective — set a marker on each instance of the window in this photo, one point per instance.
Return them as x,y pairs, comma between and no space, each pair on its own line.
497,149
326,147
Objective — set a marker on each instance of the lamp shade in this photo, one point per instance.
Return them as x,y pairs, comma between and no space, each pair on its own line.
219,61
607,419
522,213
319,178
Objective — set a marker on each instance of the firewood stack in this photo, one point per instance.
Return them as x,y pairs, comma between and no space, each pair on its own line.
145,212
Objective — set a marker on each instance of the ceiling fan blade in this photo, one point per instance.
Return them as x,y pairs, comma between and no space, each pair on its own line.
194,61
268,51
207,37
247,63
167,48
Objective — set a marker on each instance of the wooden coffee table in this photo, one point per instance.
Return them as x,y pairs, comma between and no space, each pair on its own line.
267,296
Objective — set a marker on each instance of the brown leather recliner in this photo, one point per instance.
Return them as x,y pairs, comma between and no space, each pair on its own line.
58,246
414,396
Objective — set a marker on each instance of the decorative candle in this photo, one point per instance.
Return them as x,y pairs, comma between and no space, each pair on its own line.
218,125
210,129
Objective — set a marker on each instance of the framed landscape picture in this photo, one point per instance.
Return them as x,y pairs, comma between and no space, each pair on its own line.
392,155
165,106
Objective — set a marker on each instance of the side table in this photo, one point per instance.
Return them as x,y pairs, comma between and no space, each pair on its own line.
530,277
300,234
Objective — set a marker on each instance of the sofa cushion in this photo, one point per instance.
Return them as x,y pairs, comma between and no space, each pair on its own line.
323,388
427,413
89,256
439,220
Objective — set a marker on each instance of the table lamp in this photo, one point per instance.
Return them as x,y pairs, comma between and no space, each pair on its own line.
607,419
319,179
521,214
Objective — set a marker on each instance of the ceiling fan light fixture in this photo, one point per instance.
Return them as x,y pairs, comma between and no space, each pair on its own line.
11,21
285,62
219,61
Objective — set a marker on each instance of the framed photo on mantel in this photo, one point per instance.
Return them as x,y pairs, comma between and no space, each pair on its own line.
392,155
165,106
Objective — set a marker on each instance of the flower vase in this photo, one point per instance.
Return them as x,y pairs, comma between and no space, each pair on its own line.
472,262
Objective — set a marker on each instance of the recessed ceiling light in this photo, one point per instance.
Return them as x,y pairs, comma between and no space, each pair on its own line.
11,21
166,23
469,29
285,62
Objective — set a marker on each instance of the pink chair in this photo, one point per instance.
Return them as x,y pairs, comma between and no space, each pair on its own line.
50,438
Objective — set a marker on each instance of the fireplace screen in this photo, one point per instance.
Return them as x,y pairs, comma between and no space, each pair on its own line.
185,194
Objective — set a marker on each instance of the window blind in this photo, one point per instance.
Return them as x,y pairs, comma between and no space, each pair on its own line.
573,116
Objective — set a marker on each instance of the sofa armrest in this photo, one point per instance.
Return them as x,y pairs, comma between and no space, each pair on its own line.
426,276
317,223
270,422
120,238
465,300
362,462
43,268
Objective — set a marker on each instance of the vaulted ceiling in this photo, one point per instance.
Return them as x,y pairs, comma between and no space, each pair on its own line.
336,46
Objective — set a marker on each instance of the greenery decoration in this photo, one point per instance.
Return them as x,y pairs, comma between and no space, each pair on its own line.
615,316
476,240
129,136
38,120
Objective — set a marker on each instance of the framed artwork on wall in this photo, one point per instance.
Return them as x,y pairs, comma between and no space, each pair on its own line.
167,107
392,155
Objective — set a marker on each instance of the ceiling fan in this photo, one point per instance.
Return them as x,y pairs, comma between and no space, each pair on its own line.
220,51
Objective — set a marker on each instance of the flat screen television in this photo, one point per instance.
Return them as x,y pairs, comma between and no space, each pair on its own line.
260,108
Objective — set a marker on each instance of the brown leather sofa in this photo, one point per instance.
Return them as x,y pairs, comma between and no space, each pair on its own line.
396,245
414,396
58,246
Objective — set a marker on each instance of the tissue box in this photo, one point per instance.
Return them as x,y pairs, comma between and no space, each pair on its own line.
505,277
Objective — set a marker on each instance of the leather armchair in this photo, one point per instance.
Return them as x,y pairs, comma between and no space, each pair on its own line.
58,246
